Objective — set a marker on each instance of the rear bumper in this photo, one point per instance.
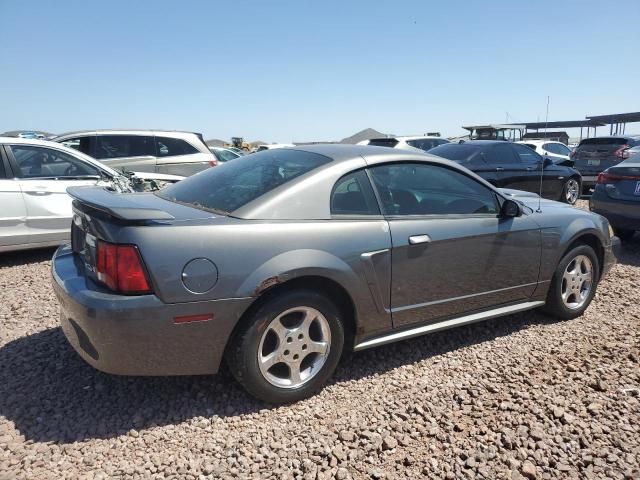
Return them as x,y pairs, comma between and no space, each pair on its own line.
137,335
620,213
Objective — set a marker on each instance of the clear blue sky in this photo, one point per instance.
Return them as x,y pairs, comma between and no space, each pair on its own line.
301,70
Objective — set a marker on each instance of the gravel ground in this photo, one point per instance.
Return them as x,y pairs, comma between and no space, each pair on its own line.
523,396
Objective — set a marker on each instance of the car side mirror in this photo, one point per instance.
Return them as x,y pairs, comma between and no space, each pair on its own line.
546,162
510,209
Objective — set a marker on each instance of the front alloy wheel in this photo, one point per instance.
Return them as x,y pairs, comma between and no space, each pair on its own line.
571,191
573,284
577,282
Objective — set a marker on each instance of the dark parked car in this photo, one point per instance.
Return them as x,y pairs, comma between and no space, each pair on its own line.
281,260
513,165
595,155
616,196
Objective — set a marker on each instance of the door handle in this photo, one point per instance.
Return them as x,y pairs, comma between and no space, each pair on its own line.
499,169
530,169
38,192
418,239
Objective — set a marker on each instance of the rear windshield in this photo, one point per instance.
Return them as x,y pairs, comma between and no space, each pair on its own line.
227,187
383,142
604,141
455,152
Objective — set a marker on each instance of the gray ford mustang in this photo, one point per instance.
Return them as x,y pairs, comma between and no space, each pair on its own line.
280,261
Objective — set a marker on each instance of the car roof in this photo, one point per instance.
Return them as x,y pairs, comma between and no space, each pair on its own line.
115,131
538,141
343,159
410,137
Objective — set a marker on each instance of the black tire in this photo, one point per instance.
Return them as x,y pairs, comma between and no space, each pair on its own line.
242,354
569,184
623,234
555,306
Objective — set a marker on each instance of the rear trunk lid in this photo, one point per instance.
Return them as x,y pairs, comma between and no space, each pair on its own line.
101,214
622,182
594,155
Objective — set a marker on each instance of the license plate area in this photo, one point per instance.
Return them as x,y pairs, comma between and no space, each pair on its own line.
593,163
636,191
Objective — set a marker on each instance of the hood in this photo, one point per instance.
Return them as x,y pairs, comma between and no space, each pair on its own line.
511,193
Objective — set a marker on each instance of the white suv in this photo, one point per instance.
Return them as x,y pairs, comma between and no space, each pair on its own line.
175,153
557,152
422,143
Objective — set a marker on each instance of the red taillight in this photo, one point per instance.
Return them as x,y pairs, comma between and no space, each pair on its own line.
120,268
604,178
622,152
573,153
213,162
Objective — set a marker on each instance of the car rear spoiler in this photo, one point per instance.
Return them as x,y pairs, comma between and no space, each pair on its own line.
130,207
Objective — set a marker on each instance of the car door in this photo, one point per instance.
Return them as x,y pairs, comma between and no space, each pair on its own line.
553,177
452,252
43,176
13,214
176,156
512,172
133,153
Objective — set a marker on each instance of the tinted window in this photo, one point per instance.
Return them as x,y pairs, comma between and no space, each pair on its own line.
39,162
456,152
426,144
169,147
82,144
352,195
3,173
501,154
383,142
526,155
530,145
118,146
423,189
230,186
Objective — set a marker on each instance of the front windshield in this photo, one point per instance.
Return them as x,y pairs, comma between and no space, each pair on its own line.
229,186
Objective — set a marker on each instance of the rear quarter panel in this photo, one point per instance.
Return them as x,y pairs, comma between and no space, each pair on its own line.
253,256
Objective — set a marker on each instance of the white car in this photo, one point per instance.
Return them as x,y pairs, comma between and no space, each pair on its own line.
156,151
223,154
420,143
34,175
557,152
271,146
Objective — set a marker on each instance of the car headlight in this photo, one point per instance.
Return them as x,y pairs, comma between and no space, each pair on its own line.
611,232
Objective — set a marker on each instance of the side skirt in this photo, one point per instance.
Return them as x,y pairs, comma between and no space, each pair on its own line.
445,324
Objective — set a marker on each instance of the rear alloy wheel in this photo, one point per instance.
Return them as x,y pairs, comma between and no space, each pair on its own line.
288,348
571,191
574,283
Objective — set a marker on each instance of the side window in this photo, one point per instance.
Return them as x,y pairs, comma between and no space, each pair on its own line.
169,147
119,146
3,172
500,154
426,189
40,162
526,155
82,144
353,195
225,155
